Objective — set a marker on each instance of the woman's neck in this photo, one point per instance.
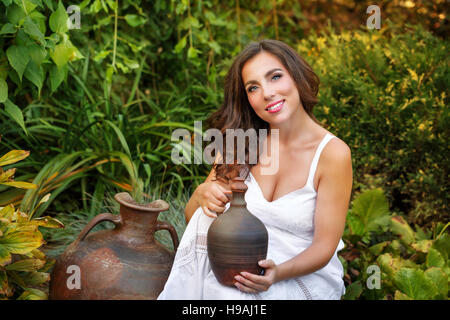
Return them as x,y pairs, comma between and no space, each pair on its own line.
299,128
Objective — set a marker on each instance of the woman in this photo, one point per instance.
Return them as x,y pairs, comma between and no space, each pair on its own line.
303,204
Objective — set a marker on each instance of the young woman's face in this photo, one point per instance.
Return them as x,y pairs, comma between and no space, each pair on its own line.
271,91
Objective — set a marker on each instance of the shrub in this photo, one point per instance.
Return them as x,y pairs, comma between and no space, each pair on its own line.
35,48
23,267
411,264
385,94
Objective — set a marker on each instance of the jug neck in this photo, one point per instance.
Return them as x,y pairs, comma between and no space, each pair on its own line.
239,188
139,225
238,199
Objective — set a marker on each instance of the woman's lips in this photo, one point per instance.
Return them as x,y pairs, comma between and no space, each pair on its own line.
276,108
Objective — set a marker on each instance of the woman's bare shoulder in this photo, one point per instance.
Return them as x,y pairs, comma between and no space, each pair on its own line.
336,147
336,156
336,150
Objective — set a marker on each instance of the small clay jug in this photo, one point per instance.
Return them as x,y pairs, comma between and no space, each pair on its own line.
237,239
119,264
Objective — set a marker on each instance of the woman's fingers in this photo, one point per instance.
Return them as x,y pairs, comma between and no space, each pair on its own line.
222,194
212,210
254,278
250,286
207,212
214,200
216,208
243,288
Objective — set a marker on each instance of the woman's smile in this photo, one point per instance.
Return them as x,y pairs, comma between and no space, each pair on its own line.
276,106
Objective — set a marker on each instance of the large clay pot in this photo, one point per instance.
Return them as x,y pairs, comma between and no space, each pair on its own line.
123,263
237,239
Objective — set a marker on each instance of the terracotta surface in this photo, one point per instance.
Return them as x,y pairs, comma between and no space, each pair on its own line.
123,263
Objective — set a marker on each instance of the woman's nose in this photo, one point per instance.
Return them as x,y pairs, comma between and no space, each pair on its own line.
268,93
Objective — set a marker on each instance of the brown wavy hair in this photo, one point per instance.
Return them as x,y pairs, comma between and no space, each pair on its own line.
236,111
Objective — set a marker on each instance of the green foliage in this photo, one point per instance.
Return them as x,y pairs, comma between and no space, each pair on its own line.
23,267
385,94
369,213
414,264
34,42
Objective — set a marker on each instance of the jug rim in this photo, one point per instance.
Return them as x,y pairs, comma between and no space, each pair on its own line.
125,199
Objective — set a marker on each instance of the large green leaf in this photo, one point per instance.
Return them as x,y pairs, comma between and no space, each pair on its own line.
35,278
22,241
391,265
35,73
32,29
353,291
422,245
40,20
62,53
378,248
400,227
57,75
134,20
435,259
355,224
32,294
20,184
37,53
15,14
415,284
26,265
401,296
13,156
18,57
442,244
29,5
440,280
58,19
7,212
372,208
15,113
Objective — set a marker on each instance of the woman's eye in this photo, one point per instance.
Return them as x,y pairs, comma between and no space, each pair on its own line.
277,75
250,89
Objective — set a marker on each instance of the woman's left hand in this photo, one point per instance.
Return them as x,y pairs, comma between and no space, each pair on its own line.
252,283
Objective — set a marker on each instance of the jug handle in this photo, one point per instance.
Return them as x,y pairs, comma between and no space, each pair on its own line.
164,225
96,220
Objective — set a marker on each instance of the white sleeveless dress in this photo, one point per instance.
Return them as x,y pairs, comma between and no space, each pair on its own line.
290,224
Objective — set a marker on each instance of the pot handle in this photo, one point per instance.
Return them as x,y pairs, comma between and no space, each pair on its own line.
164,225
116,219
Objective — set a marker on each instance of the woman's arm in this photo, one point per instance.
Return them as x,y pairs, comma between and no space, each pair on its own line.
333,196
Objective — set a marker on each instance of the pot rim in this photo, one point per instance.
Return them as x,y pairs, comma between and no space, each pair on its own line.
125,199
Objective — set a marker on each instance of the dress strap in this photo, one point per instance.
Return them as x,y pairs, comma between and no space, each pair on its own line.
312,169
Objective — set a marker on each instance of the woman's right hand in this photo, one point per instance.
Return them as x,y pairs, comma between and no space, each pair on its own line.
212,197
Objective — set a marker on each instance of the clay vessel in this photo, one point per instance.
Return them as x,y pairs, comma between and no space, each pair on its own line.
119,264
237,239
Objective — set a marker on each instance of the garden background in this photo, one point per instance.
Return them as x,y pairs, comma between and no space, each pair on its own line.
95,107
